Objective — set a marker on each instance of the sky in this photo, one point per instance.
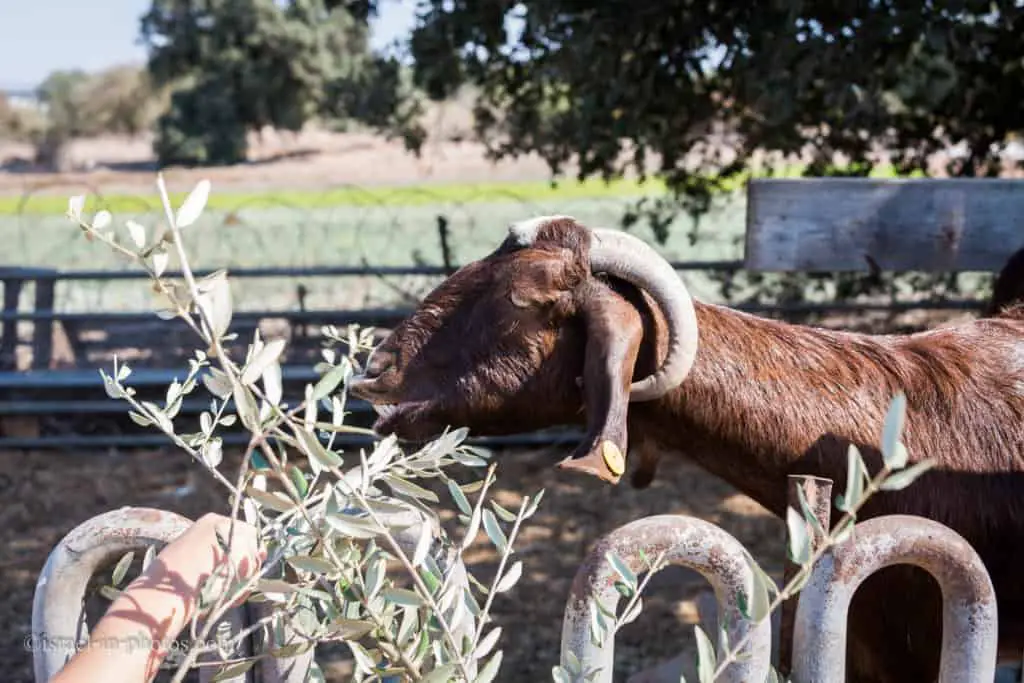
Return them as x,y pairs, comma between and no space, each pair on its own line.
41,36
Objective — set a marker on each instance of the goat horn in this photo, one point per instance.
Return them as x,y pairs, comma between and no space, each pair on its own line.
633,260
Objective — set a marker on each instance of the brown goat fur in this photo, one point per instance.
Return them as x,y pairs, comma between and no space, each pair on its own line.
499,347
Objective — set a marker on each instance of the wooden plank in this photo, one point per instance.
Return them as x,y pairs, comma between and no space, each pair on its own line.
842,224
9,334
42,329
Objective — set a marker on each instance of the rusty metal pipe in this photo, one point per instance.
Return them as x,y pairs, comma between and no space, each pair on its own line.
818,494
969,625
58,621
688,542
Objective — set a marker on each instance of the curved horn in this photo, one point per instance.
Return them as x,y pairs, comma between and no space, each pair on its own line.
633,260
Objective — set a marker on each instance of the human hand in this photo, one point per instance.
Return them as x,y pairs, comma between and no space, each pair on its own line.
197,556
160,602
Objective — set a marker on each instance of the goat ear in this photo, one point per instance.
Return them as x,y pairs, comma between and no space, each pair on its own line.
540,279
614,333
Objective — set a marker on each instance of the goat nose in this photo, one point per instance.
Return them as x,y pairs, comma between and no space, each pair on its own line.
378,363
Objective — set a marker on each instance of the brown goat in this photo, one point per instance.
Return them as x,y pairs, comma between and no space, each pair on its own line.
564,325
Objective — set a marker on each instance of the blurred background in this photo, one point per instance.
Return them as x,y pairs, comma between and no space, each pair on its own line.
359,151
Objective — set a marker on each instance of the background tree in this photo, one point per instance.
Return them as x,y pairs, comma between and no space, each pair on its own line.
690,91
242,65
701,93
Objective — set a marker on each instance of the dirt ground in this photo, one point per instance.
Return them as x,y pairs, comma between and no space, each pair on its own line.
48,494
314,159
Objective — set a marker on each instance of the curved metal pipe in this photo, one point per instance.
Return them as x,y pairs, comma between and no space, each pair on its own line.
58,615
969,624
688,542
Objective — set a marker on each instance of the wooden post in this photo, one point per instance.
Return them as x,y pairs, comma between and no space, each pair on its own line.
9,335
818,493
42,327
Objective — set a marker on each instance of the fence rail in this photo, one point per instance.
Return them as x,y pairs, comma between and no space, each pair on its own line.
69,391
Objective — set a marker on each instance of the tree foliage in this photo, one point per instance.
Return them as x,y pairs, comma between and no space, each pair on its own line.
690,91
242,65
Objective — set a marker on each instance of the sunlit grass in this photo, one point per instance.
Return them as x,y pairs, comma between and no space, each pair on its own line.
411,195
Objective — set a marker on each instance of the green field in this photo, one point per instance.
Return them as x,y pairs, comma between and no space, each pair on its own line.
392,229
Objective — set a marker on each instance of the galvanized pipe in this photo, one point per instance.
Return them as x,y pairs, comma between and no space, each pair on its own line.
58,621
688,542
817,492
969,625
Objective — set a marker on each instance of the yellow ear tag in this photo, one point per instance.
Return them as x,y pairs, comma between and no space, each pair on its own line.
613,457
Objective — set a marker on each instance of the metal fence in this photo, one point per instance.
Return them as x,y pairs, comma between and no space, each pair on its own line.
66,312
968,649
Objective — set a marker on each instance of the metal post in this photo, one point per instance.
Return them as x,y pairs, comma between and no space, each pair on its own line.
688,542
818,494
969,635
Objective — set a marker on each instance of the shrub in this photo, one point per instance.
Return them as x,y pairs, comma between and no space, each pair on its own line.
356,551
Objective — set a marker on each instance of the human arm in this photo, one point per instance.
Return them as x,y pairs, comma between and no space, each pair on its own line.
133,636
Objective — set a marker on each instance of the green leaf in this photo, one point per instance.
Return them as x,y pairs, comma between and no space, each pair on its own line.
494,531
808,513
401,596
140,420
245,405
560,675
217,383
406,487
904,478
706,661
422,544
298,480
622,568
799,541
892,429
316,450
534,503
459,497
101,219
314,565
855,473
234,669
490,670
329,382
353,526
510,578
122,568
375,574
473,528
364,663
442,674
504,514
147,559
193,205
487,643
274,501
137,232
349,629
267,356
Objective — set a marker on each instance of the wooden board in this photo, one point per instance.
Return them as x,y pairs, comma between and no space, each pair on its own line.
842,224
